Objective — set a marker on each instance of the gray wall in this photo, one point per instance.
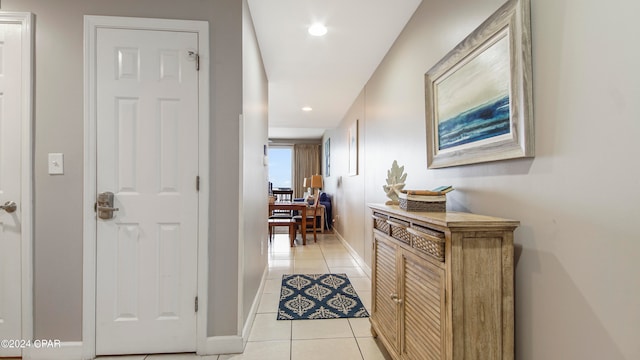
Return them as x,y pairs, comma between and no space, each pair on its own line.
59,128
254,234
577,288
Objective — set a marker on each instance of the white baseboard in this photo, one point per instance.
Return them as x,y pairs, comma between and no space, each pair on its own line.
235,344
68,350
254,307
354,253
224,345
73,350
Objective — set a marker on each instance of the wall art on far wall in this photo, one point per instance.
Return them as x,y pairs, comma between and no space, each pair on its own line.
327,158
353,148
479,96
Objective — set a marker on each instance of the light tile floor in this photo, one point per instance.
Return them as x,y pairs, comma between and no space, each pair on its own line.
271,339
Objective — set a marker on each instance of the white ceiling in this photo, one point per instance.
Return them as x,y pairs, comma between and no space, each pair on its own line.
326,73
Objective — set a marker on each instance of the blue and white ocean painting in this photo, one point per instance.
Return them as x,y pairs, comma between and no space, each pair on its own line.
482,122
473,98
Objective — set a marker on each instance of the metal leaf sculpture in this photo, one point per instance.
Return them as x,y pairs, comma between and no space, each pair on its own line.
395,182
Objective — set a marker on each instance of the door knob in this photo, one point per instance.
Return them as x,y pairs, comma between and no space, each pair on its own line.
9,206
395,298
104,205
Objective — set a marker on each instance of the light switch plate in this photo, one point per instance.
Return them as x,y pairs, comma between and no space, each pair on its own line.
56,163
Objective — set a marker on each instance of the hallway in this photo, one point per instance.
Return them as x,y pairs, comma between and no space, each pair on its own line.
271,339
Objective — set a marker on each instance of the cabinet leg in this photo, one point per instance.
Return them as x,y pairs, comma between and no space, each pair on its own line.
374,333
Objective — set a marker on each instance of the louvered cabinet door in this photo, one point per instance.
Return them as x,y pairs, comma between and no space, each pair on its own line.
423,310
385,283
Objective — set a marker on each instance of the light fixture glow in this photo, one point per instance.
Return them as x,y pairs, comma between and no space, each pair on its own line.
307,108
317,29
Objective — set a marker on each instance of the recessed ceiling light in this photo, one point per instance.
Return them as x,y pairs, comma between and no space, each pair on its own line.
307,108
317,29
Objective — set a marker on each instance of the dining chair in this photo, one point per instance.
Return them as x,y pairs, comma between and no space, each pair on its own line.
311,218
282,195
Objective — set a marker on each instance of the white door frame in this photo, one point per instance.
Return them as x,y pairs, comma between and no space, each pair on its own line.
25,20
91,26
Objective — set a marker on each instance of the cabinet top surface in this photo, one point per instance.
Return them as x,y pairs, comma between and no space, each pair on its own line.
449,218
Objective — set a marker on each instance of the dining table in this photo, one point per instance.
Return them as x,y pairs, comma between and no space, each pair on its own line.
292,206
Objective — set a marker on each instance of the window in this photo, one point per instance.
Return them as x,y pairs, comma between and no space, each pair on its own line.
280,165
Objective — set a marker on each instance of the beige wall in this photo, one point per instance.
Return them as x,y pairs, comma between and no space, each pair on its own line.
253,233
577,288
348,192
59,128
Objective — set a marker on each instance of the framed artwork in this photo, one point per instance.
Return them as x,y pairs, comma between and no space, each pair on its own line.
479,96
327,158
353,148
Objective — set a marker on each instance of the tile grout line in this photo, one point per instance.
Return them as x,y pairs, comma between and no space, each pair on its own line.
354,338
290,340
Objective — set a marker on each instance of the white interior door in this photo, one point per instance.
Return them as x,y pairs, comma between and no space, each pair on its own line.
11,70
147,156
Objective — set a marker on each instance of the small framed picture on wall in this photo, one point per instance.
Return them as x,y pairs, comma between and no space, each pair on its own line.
353,148
327,158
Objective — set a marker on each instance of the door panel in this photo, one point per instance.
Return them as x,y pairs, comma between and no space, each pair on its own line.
147,155
423,287
10,184
385,309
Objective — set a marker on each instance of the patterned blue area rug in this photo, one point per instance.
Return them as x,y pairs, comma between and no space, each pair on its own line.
318,296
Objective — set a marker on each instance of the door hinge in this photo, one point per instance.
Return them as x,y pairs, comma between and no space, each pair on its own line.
196,304
196,57
197,183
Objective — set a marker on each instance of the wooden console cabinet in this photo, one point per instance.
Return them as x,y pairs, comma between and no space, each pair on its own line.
442,284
